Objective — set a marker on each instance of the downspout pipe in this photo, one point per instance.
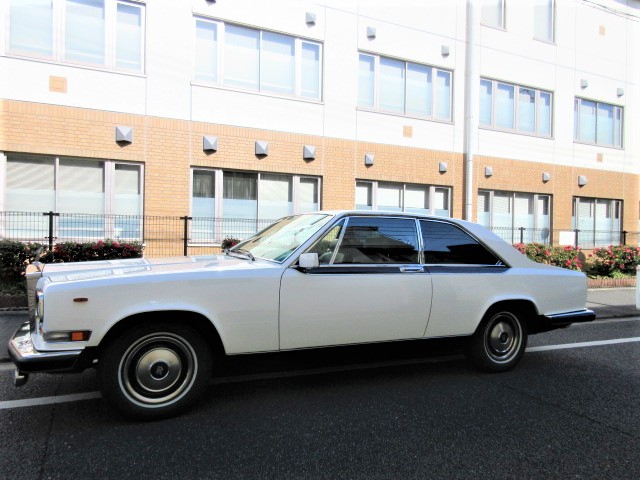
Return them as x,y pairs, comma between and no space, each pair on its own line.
471,105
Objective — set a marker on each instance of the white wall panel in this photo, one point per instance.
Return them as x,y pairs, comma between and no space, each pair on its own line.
27,80
228,107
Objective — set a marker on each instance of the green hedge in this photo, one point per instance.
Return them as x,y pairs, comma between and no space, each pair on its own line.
15,256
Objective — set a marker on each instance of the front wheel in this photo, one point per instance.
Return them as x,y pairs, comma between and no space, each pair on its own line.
155,370
500,341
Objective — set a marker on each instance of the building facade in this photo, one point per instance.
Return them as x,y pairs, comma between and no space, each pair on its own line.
519,115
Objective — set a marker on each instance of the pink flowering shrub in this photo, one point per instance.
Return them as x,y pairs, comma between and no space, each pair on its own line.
612,260
565,257
100,250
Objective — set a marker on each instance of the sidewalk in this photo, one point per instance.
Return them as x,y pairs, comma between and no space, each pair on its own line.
612,302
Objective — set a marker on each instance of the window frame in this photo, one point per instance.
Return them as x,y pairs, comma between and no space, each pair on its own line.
551,40
435,103
611,236
503,17
515,111
431,192
108,167
617,109
298,74
218,174
537,229
59,30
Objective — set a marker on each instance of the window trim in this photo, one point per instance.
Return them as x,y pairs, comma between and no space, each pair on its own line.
577,102
219,192
108,186
503,13
434,102
431,191
515,129
512,197
617,206
220,61
58,56
551,41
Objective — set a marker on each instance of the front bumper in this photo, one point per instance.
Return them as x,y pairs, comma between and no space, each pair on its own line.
27,359
564,319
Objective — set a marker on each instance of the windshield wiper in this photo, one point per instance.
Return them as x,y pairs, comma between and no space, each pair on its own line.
246,253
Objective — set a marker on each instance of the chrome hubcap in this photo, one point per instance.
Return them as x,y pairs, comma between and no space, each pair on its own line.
158,369
503,337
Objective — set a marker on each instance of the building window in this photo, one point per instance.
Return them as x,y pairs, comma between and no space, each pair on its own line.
515,108
256,60
237,204
514,216
103,33
405,88
544,20
493,13
400,197
598,221
597,123
96,198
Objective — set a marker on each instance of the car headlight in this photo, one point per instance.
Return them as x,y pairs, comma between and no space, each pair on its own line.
39,310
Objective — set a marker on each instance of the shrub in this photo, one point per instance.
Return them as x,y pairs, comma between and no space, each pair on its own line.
565,257
229,242
101,250
614,260
15,256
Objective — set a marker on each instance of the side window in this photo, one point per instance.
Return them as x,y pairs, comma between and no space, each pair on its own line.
446,243
375,240
327,244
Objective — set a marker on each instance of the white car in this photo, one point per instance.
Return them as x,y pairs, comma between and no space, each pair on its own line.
153,328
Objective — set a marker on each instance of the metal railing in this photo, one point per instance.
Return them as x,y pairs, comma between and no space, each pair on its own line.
161,235
185,235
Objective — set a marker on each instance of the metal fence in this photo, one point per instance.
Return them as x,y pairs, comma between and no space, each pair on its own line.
185,235
161,235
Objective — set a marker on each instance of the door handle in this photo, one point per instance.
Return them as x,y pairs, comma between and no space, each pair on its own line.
411,270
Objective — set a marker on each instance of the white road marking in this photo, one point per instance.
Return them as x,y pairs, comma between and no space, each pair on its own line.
31,402
596,343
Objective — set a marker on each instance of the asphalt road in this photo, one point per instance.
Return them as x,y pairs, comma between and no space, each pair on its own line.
569,410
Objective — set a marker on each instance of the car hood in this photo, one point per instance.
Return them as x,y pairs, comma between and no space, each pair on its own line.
66,272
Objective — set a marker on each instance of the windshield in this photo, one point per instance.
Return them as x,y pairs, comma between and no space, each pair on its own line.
279,240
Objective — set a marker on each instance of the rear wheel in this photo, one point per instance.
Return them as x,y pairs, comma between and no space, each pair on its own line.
155,370
500,341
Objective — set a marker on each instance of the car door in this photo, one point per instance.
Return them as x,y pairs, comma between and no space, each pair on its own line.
369,287
466,277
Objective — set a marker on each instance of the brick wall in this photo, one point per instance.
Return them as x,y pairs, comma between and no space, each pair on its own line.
168,148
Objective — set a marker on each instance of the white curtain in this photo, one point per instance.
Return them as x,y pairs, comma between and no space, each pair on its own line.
129,37
85,31
242,57
31,27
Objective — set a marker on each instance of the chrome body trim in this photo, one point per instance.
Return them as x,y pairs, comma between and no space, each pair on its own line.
568,318
22,351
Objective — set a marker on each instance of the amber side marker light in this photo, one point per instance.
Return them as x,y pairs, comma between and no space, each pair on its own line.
81,299
78,336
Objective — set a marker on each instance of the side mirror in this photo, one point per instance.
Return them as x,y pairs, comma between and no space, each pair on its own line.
308,260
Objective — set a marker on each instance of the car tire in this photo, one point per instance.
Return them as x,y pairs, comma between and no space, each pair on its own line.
499,342
155,370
